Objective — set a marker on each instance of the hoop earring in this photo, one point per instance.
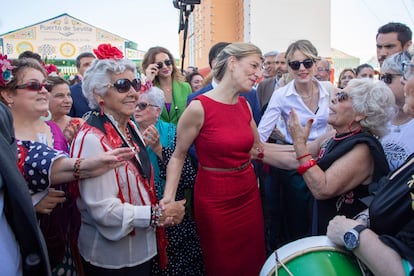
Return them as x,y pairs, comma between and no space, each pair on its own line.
101,107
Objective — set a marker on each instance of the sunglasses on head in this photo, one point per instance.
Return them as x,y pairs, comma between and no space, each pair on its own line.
124,85
307,63
142,106
167,62
387,78
34,86
340,97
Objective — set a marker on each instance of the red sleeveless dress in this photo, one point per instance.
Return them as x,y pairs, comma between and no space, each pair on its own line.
227,204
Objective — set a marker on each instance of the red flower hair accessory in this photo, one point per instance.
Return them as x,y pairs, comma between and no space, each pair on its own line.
51,69
146,86
5,70
107,51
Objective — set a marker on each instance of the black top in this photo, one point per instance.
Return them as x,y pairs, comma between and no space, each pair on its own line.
348,204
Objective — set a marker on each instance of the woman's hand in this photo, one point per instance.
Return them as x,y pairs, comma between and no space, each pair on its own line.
49,202
299,133
100,164
152,138
151,72
173,213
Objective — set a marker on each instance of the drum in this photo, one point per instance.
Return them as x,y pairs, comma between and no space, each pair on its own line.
311,256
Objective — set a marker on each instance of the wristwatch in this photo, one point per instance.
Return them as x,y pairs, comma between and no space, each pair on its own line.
351,237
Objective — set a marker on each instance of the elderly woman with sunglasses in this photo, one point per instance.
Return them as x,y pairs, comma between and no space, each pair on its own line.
397,142
310,99
184,252
43,166
160,69
339,170
121,220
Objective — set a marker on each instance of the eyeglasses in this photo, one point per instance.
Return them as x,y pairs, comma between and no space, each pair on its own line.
34,86
387,78
124,85
142,106
167,62
340,97
320,69
307,63
407,70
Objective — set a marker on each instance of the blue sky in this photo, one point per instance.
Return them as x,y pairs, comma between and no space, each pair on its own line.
155,22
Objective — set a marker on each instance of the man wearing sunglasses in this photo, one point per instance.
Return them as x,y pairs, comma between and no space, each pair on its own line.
80,104
392,38
397,143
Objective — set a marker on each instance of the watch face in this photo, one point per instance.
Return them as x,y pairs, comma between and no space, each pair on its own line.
351,240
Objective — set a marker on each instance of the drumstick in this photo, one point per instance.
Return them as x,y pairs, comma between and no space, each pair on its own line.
282,264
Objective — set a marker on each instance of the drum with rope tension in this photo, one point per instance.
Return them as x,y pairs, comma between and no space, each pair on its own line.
312,256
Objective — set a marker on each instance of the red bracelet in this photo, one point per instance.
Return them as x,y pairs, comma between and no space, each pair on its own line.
306,166
303,156
260,155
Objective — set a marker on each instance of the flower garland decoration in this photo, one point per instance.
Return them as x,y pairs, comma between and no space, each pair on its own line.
107,51
5,70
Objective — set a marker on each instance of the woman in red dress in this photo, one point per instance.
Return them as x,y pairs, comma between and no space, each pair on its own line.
227,203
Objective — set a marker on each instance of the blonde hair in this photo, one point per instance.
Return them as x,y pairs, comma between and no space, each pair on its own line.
238,50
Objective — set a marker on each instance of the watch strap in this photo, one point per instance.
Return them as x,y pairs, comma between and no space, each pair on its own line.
359,228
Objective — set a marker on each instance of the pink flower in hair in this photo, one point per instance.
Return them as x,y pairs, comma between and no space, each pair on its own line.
5,70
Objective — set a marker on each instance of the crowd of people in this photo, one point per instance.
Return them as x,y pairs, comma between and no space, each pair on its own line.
162,172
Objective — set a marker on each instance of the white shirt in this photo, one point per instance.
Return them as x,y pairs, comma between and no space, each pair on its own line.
10,258
280,105
104,238
398,144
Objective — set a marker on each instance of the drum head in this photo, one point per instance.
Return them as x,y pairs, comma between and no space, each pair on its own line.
312,256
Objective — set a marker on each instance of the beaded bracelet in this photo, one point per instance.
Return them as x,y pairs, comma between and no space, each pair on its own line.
303,156
156,213
306,166
76,168
260,155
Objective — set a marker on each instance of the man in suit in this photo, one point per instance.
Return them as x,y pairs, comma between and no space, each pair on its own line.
22,247
268,85
80,103
251,96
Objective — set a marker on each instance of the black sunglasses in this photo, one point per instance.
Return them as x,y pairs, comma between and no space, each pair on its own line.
34,86
167,62
307,63
340,96
124,85
387,78
143,106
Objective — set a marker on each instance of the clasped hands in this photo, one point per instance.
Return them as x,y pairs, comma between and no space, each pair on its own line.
172,212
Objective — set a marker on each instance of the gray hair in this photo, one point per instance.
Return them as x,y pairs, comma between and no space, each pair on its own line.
327,63
155,96
394,62
375,100
98,76
238,50
271,54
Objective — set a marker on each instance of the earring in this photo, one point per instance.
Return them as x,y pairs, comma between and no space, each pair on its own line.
101,107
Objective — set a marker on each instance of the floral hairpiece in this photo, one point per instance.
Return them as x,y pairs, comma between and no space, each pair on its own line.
5,70
51,69
107,51
146,86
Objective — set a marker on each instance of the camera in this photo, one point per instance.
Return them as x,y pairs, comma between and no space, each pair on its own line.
179,3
